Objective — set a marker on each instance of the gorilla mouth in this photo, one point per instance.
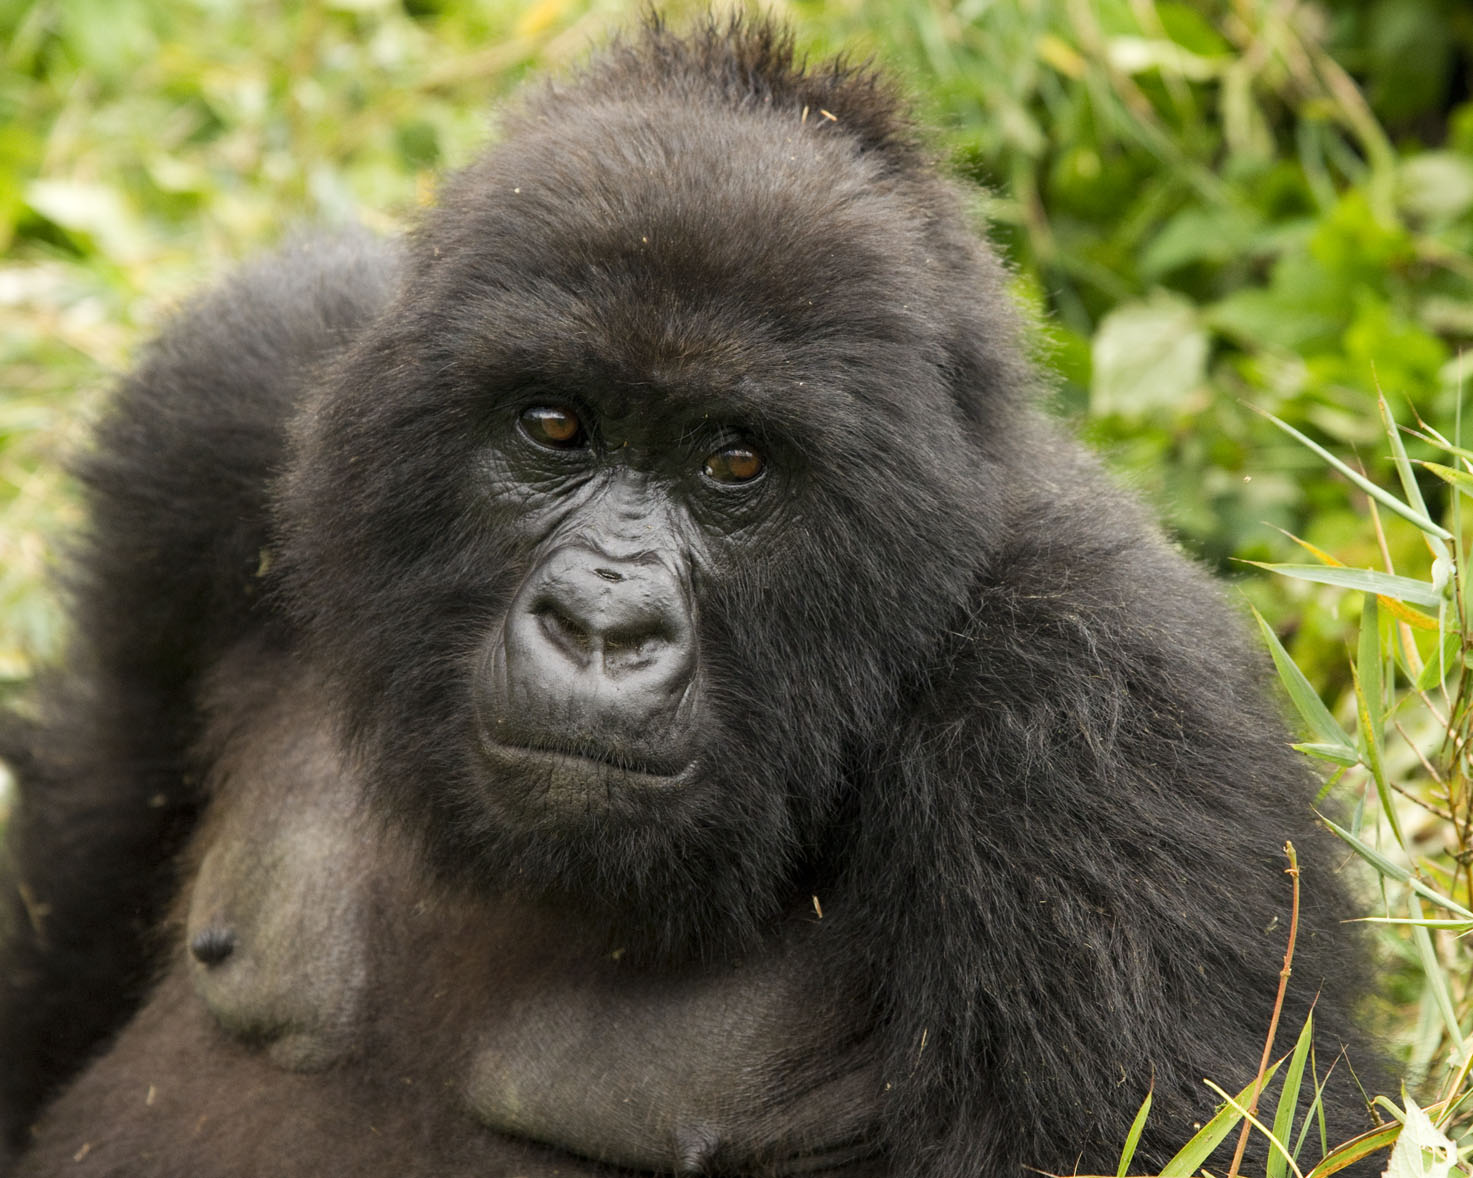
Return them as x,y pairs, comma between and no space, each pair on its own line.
578,773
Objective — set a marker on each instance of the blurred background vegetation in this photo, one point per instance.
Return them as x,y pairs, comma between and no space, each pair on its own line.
1215,207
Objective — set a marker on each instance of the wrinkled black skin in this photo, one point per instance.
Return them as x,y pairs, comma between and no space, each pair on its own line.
930,668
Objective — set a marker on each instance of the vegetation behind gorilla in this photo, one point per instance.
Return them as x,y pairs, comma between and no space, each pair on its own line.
626,679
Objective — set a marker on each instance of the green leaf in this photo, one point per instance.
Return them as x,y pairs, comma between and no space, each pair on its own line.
1436,186
1194,1153
1460,479
1343,1156
1436,976
1393,870
1404,469
1339,753
1288,1105
1148,357
1460,927
1422,1150
1307,701
1366,679
1383,497
1368,664
1366,580
1441,661
1132,1139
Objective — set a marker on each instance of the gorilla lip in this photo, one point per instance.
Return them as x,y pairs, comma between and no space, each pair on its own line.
562,778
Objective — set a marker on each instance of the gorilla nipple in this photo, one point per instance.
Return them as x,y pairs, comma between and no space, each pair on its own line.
212,945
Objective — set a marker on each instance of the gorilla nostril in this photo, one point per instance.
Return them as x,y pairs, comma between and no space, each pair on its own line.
562,629
632,642
609,575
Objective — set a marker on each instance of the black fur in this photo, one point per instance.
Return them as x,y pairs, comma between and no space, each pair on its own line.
955,694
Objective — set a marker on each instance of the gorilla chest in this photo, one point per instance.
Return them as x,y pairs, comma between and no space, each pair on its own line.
306,947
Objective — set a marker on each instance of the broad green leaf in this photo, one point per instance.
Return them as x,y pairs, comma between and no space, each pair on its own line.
1422,1150
1436,186
100,211
1148,357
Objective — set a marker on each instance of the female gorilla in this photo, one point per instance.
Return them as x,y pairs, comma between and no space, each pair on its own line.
626,680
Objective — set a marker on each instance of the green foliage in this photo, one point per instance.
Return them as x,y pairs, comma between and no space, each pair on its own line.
1401,754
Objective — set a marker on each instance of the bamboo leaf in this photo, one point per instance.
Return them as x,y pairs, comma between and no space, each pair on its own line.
1341,754
1385,498
1188,1160
1289,1098
1280,1150
1370,731
1366,580
1132,1139
1344,1156
1412,617
1453,926
1307,701
1404,470
1394,871
1460,479
1432,970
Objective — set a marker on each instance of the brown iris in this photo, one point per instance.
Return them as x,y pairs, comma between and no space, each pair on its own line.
553,425
734,464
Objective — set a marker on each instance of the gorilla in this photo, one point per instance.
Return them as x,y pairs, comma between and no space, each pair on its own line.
628,680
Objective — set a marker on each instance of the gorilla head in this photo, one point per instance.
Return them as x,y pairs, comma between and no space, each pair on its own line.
627,534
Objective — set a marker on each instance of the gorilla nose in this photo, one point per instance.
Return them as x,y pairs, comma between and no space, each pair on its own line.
598,647
625,625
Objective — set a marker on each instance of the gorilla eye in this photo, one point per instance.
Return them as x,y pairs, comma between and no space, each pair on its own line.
734,464
554,426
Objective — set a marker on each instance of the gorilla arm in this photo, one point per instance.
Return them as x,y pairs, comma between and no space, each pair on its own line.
164,579
1095,801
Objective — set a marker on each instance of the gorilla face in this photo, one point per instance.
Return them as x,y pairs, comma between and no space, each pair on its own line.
616,573
591,690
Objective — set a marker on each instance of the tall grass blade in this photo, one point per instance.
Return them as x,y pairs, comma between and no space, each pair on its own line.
1278,1164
